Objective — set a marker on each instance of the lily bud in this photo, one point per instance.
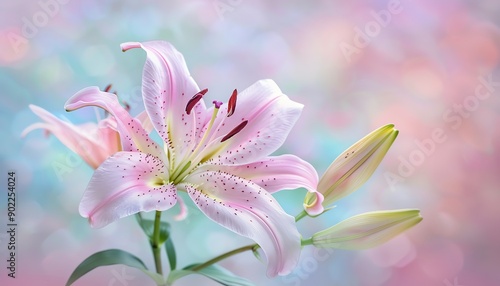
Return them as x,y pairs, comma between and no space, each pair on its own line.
351,169
367,230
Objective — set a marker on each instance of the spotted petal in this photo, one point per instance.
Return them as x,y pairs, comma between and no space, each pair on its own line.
94,143
145,121
247,209
274,173
270,115
132,134
167,88
125,184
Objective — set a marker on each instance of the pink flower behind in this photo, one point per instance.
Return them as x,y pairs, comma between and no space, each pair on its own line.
93,142
219,156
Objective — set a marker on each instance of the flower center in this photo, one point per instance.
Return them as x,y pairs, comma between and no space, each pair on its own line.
197,155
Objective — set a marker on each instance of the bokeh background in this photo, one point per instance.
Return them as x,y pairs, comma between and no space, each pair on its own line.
426,66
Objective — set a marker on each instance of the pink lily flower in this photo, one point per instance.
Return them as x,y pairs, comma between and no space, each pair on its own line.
93,142
219,156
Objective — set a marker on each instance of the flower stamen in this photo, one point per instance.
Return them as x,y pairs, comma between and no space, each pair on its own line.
231,105
178,172
126,106
235,130
217,104
192,158
194,100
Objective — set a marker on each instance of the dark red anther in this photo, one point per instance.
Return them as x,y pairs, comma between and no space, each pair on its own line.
231,105
235,131
127,106
194,100
107,88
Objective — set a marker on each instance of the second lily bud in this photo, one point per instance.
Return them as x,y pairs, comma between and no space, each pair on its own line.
366,230
351,169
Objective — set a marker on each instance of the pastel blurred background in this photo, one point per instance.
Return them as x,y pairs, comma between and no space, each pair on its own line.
429,67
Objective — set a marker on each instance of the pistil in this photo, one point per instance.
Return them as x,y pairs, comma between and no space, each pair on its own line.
196,157
178,173
217,105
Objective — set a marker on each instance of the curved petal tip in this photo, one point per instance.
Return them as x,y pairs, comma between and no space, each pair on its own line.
129,45
313,204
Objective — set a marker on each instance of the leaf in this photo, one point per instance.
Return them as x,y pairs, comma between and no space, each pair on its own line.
111,257
214,272
148,226
172,258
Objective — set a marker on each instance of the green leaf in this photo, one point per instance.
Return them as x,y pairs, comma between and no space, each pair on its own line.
111,257
172,258
214,272
148,226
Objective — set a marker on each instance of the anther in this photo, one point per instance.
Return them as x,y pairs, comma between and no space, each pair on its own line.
235,130
107,88
231,105
194,100
127,106
210,124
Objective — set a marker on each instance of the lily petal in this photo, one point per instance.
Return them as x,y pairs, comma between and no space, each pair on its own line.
81,139
274,173
125,184
108,133
145,121
248,210
367,230
183,212
132,134
167,88
270,115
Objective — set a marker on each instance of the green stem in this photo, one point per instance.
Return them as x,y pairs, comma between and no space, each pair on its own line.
308,241
252,247
155,243
224,256
300,216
